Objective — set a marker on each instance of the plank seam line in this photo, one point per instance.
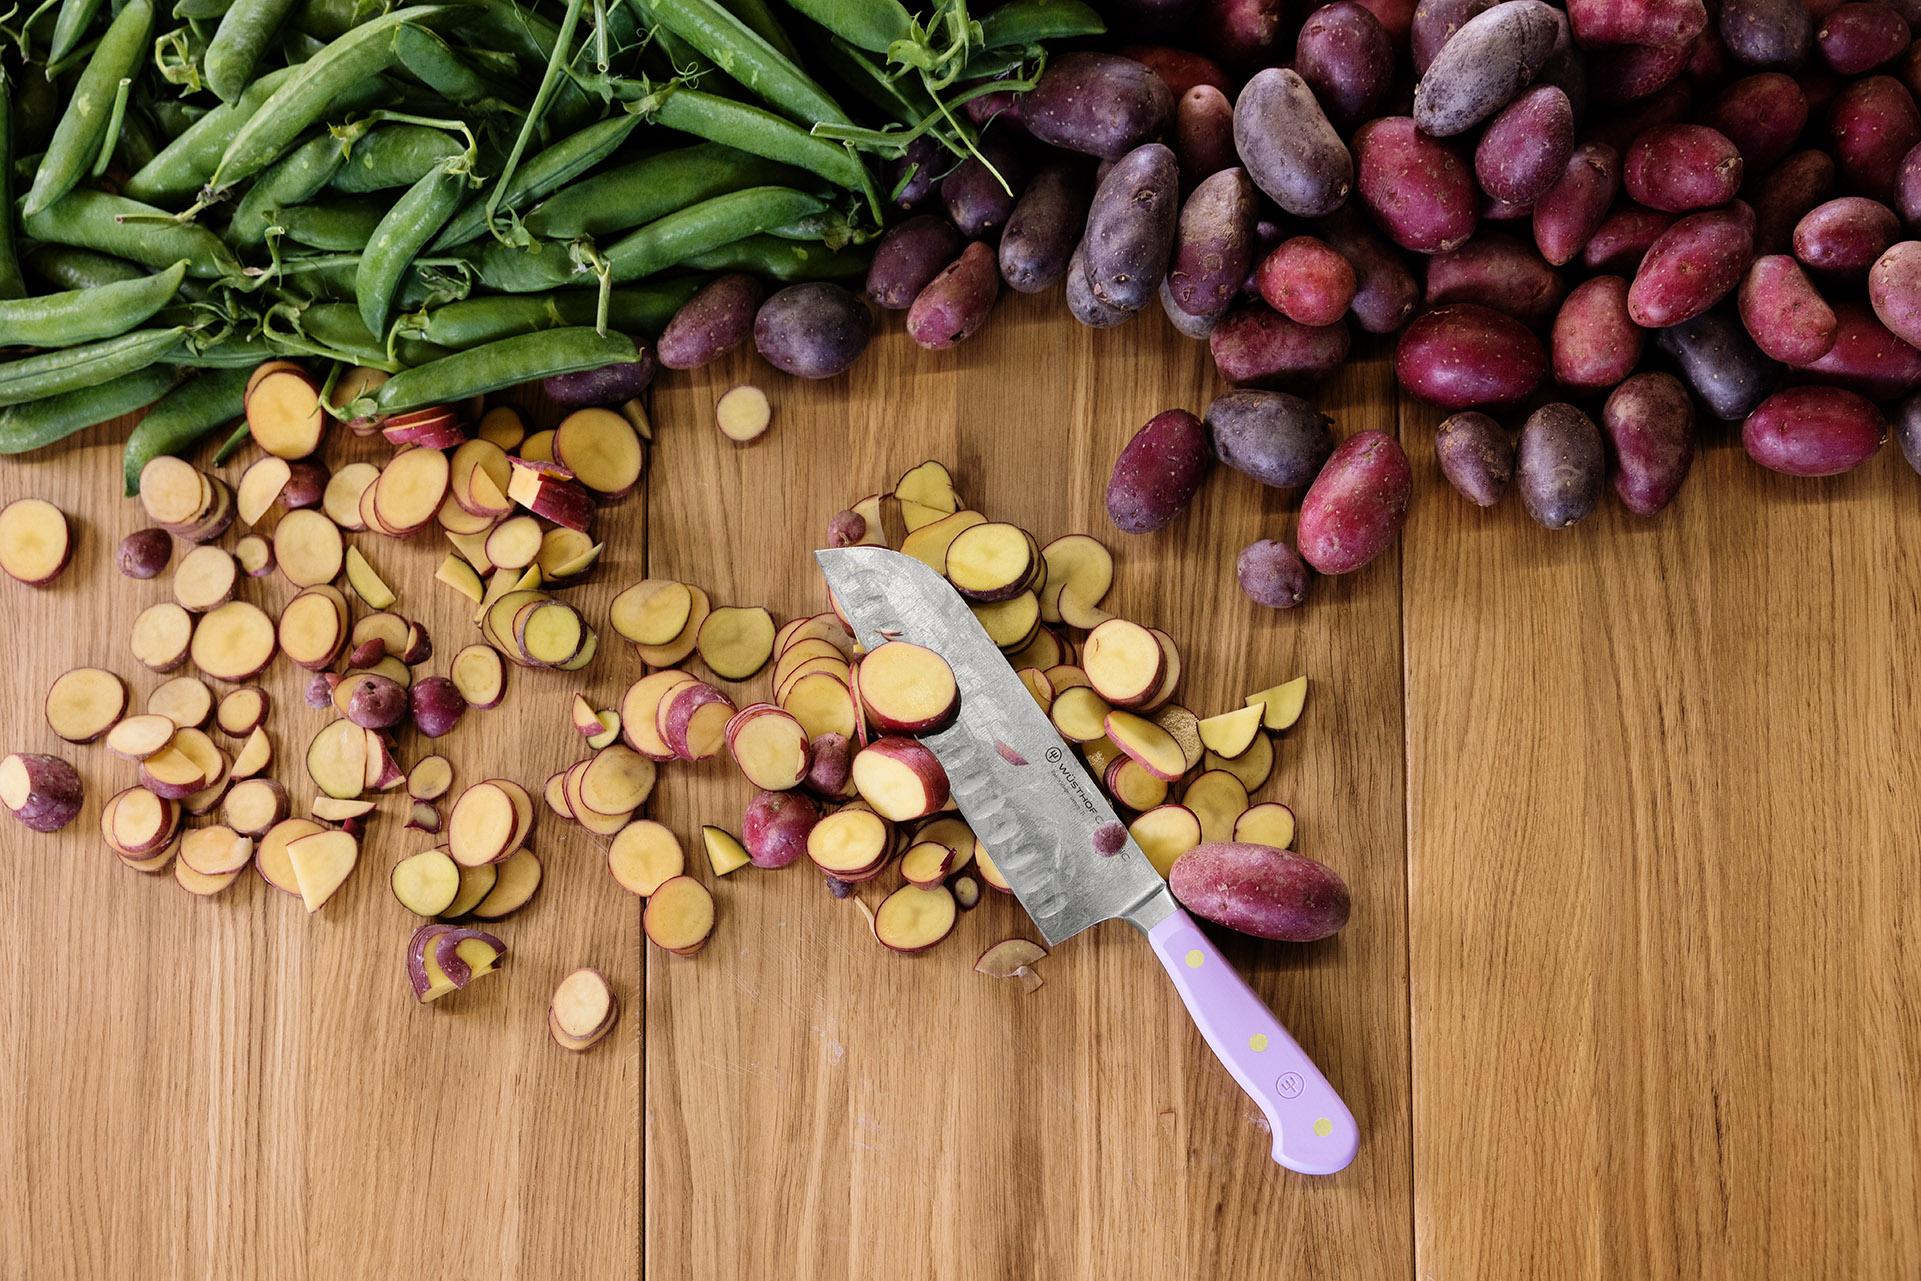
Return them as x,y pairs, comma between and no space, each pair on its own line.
1407,865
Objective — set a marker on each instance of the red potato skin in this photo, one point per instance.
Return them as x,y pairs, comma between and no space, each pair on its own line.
1496,270
1872,124
1813,431
1385,293
1306,280
1907,186
1178,69
1464,356
144,553
1844,236
957,302
1623,238
1907,430
1204,133
1476,456
1395,16
1785,194
710,324
54,793
1649,421
1355,508
1214,243
908,256
1784,313
1289,147
1761,114
1258,890
1347,58
1594,343
1045,226
1240,33
830,766
1158,472
1640,22
436,705
775,825
1624,74
1894,290
1419,190
1272,574
1255,346
1560,464
1526,147
1859,37
1098,104
1681,168
1696,263
1567,214
1867,357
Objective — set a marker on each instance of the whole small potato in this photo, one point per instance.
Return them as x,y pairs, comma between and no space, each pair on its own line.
1762,114
1785,194
1867,357
377,703
1179,69
1289,147
1045,226
812,330
1907,430
977,202
1858,37
1081,302
712,323
1130,227
1846,235
1240,33
1356,506
607,385
1561,465
1098,104
1254,346
1567,213
1872,125
1464,355
1649,419
831,766
1306,280
1214,242
1418,189
908,256
1640,22
437,705
1434,22
1476,456
1623,238
956,303
1721,363
1480,69
847,528
1594,344
1347,58
775,826
915,176
1496,270
1526,147
1272,574
1783,311
144,553
1157,473
1894,289
1276,438
1634,74
1385,293
1813,431
1259,890
1204,133
1678,168
306,485
1196,327
1766,33
1695,264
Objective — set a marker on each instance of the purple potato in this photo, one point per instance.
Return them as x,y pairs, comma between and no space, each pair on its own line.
712,323
813,330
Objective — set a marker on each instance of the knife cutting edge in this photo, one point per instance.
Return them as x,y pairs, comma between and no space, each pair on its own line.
1066,854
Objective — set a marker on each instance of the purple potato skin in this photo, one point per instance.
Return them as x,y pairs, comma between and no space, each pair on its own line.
1272,574
54,793
608,385
1695,264
1568,213
1497,270
1347,58
1813,431
144,553
1214,243
1356,506
1203,132
1649,419
1721,363
437,705
922,184
1907,430
1476,456
956,303
1081,302
1495,54
775,825
832,764
1526,147
1288,145
1196,327
846,529
1278,439
1894,290
1098,104
1561,465
712,323
1385,293
306,485
1157,473
814,330
1785,194
1039,239
976,202
1130,227
908,256
1258,890
1623,238
377,703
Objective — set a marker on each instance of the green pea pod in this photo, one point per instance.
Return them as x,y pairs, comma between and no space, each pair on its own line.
11,283
76,139
53,372
1020,23
350,61
200,10
873,25
394,155
122,228
70,27
762,133
189,160
517,29
640,309
245,31
37,423
514,270
64,267
183,418
636,193
788,260
85,315
506,363
669,241
761,21
552,169
293,179
338,226
754,64
398,240
433,62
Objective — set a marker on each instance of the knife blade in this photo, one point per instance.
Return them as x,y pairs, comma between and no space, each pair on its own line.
1065,853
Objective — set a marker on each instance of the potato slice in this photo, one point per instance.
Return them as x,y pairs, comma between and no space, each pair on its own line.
907,687
1281,705
770,746
135,823
1269,823
1252,767
1186,730
216,850
410,490
692,720
313,629
823,704
241,711
270,855
990,873
851,844
337,760
430,778
173,492
1076,564
617,781
1217,799
1080,714
162,636
914,918
1045,650
652,611
677,649
321,864
930,542
459,575
254,755
725,853
550,491
199,883
743,414
1132,785
184,700
254,555
735,641
284,414
254,805
1164,833
639,712
991,561
514,887
340,501
1231,733
1010,623
485,825
1147,744
679,916
644,855
235,642
426,883
927,863
259,489
602,450
475,884
85,703
34,541
930,485
583,1010
479,675
307,548
367,582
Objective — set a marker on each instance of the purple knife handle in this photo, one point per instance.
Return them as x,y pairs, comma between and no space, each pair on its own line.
1314,1132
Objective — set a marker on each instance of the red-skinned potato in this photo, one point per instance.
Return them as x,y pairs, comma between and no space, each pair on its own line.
1678,168
1867,357
1496,270
1204,133
43,792
956,302
1649,420
1566,215
1259,890
1307,281
1213,243
900,778
831,771
1859,37
1355,507
1156,476
1526,147
1894,290
144,553
1785,314
712,323
1255,346
1695,263
1465,355
1594,343
1347,58
775,827
1385,293
1872,124
1762,114
909,256
1844,236
436,705
1480,69
1813,431
1417,187
1623,238
1639,22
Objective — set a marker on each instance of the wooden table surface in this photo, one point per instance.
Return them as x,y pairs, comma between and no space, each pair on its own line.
1632,986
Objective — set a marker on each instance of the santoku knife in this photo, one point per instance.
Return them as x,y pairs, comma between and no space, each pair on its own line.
1050,832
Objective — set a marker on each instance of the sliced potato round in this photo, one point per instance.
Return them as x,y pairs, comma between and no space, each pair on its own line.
85,703
235,642
34,541
735,641
307,547
184,700
162,635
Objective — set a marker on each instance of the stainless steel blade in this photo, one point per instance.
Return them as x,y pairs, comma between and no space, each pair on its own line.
1021,789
